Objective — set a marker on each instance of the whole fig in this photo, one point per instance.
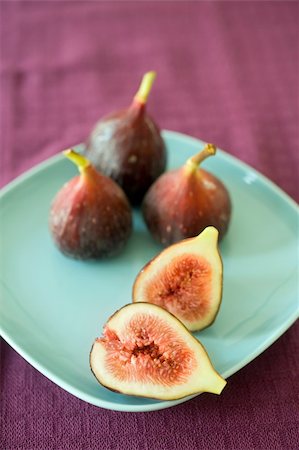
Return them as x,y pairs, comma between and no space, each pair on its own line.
127,146
90,216
183,202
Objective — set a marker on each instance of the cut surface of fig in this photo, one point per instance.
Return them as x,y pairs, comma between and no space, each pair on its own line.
145,351
185,279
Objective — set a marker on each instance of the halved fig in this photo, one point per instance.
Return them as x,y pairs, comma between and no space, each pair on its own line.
146,351
185,279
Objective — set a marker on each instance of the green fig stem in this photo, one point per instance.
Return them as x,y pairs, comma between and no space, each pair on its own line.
145,87
193,162
81,162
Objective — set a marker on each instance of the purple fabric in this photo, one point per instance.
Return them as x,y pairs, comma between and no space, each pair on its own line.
228,74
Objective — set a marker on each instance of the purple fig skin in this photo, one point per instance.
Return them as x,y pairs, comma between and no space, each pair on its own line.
181,205
127,146
90,217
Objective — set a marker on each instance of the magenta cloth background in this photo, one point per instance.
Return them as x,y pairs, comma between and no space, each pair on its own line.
228,74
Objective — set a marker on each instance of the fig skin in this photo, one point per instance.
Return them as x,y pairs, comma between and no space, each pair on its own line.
127,146
90,216
176,377
183,202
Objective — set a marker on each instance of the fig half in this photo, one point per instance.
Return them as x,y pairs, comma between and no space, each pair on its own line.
145,351
185,279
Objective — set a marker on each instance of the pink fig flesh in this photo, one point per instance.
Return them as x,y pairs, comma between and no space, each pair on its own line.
146,351
176,287
185,279
141,356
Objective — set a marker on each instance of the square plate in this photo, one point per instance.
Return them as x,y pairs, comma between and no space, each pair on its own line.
52,307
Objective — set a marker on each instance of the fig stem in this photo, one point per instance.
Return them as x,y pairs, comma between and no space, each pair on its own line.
145,87
81,162
193,162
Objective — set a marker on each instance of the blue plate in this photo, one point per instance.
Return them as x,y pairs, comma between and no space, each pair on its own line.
52,307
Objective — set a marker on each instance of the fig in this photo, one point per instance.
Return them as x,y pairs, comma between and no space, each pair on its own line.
186,280
90,216
145,351
183,202
127,146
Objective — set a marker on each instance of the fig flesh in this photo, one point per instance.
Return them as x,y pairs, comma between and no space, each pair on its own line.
145,351
185,279
127,146
183,202
90,216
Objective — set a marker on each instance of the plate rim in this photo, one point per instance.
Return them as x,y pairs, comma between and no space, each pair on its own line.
157,405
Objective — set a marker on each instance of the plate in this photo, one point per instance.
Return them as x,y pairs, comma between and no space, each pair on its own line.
52,307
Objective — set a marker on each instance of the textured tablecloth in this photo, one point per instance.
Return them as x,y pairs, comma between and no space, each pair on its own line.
228,74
